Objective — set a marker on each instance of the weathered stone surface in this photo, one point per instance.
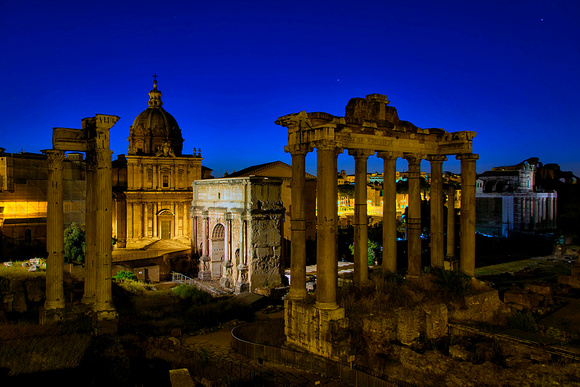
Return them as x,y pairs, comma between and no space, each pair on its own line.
482,307
320,331
181,378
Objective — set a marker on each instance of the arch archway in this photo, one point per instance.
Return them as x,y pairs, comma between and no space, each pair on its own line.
217,249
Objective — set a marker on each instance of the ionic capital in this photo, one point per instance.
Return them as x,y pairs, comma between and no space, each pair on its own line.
389,155
436,158
298,149
325,144
360,153
467,157
54,158
413,158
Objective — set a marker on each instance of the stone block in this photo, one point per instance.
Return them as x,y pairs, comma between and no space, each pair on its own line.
181,378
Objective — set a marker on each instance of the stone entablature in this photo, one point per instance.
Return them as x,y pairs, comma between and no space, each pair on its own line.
237,230
370,127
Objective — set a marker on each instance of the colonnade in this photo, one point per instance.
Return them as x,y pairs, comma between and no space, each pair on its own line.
94,140
327,216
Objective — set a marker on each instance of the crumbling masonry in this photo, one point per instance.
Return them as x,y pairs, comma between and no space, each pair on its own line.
369,126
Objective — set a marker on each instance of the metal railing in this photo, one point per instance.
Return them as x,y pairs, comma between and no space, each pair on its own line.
313,363
182,279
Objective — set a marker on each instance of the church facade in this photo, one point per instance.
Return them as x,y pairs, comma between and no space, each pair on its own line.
152,183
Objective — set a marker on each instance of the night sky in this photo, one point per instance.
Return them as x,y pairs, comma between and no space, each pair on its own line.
508,70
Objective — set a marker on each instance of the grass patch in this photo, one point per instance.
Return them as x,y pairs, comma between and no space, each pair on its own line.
19,271
507,267
28,348
187,308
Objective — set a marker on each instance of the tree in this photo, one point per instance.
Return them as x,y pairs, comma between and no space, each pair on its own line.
74,243
372,248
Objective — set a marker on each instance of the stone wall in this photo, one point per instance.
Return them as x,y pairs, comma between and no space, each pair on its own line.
319,331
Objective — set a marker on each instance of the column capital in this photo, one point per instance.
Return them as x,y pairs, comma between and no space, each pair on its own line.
325,144
467,156
414,158
298,149
436,158
54,157
360,153
389,155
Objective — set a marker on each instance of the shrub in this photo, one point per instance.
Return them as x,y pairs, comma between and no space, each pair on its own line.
522,320
125,275
193,295
454,282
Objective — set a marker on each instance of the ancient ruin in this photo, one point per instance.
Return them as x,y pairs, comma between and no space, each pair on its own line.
94,140
237,230
370,126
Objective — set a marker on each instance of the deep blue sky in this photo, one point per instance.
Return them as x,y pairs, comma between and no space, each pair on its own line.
508,70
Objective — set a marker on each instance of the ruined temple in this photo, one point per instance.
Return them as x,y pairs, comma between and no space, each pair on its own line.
370,126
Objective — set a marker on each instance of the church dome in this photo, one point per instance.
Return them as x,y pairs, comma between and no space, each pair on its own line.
154,129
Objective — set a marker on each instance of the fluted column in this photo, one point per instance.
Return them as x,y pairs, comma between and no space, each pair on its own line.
298,225
450,255
414,215
90,276
389,211
436,210
327,264
361,268
54,232
103,220
467,225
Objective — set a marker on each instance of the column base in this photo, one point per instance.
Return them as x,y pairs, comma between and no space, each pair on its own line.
226,282
54,304
68,313
323,332
105,322
241,287
326,305
204,275
450,264
296,294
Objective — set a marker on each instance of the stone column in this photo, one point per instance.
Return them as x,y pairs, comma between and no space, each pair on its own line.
90,231
327,264
361,268
103,220
298,226
450,255
54,232
414,215
146,219
467,221
155,231
389,211
436,208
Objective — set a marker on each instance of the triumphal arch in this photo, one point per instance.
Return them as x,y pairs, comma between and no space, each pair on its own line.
94,139
370,127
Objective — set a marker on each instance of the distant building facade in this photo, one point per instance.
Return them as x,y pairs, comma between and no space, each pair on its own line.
237,231
508,200
152,184
151,188
23,201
